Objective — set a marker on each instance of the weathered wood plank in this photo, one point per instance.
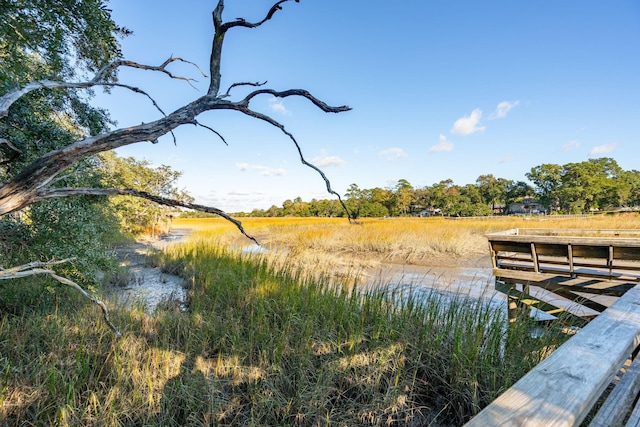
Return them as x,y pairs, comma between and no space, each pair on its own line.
634,419
587,283
626,238
620,400
524,298
558,250
562,389
506,246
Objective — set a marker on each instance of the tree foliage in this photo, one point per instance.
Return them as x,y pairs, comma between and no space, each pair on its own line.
53,170
595,184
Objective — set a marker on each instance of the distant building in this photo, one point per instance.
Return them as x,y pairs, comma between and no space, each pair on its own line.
528,206
430,212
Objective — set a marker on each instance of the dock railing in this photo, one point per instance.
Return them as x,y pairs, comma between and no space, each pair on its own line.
580,271
598,365
562,389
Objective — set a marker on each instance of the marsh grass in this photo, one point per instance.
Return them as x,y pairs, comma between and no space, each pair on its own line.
358,250
260,345
265,343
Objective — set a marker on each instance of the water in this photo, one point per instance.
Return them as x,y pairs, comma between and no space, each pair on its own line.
149,286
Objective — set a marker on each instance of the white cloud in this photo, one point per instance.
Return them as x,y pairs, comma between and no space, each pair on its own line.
468,124
262,170
325,161
443,145
503,109
506,159
603,149
392,154
234,200
244,193
277,105
571,145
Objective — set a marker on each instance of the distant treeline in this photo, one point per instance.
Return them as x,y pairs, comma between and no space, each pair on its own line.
595,184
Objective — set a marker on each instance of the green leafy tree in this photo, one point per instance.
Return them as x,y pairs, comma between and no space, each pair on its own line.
632,180
354,199
402,197
52,41
52,54
140,215
547,179
516,191
589,185
491,189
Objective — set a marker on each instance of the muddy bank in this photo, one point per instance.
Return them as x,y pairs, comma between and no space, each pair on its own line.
144,284
148,285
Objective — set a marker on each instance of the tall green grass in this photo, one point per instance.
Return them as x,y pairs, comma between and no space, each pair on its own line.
261,345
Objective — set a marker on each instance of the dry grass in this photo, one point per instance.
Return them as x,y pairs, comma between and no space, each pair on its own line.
350,249
262,345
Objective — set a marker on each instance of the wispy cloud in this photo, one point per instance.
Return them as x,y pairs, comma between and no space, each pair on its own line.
262,170
468,124
277,105
603,149
234,200
571,145
245,193
442,145
325,161
503,109
392,154
506,159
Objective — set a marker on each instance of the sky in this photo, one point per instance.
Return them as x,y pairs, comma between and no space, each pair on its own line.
438,89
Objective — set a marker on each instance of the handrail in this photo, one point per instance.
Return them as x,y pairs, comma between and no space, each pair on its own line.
562,389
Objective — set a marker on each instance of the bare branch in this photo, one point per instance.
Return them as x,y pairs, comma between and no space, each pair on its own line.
162,68
32,265
70,192
10,145
296,92
37,267
256,84
271,121
221,29
240,22
15,152
103,307
103,72
13,95
214,131
33,183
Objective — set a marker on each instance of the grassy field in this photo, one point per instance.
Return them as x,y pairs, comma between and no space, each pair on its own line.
343,249
265,343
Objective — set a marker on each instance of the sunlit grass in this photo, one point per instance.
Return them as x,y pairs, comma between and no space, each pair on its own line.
344,248
261,345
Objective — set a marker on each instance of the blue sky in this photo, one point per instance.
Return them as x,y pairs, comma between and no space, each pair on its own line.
439,90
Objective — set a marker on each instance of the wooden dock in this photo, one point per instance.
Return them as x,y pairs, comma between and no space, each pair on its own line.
574,274
578,266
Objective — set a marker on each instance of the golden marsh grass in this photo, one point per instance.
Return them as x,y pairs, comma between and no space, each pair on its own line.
348,249
266,345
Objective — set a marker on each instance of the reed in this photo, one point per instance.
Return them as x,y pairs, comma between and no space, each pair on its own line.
347,249
261,345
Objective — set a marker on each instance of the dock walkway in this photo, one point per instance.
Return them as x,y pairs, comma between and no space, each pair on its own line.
598,365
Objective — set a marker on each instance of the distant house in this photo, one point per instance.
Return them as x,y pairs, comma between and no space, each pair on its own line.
528,206
498,208
430,212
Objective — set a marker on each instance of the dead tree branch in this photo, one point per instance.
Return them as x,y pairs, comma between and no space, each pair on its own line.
256,84
70,192
34,182
37,267
221,29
